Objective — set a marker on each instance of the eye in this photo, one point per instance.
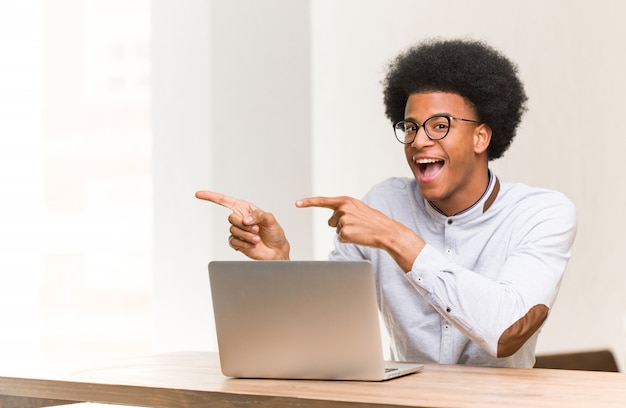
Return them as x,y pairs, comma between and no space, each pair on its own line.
437,125
406,127
405,131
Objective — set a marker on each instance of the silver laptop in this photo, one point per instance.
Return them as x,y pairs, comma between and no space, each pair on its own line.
299,320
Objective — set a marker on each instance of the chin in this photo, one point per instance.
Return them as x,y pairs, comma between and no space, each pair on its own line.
431,193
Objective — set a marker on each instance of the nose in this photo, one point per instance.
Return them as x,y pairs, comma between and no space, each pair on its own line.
421,139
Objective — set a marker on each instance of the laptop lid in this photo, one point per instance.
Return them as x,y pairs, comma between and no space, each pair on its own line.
298,320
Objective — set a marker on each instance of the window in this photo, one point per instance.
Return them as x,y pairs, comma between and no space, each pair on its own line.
75,178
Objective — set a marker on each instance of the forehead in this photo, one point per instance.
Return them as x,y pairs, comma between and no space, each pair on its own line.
422,105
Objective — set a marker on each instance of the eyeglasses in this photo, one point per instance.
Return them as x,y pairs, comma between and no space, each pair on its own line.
436,127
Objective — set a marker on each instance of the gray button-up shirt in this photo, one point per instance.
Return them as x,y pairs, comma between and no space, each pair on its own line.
483,285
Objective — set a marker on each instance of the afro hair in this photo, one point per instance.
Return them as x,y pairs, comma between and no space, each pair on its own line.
468,68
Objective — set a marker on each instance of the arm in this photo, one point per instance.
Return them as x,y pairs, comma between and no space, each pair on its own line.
254,232
501,306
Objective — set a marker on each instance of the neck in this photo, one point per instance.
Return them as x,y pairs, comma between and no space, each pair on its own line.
455,207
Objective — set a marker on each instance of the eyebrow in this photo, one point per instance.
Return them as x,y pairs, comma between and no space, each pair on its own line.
436,114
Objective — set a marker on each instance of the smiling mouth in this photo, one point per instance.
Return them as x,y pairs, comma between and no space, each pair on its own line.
429,168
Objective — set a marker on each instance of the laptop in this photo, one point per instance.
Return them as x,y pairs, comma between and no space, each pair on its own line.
314,320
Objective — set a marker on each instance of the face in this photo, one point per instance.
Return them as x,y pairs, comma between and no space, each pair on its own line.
451,173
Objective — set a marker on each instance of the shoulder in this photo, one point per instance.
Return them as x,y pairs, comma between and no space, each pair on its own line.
397,192
395,184
536,201
520,192
393,187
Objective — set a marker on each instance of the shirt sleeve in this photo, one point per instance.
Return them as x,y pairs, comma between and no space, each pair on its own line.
502,314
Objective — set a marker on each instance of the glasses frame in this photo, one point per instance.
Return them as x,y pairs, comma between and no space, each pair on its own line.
423,125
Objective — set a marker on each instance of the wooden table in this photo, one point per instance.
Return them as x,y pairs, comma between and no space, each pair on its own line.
193,379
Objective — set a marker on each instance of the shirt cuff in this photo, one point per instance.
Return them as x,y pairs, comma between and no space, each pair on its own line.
425,268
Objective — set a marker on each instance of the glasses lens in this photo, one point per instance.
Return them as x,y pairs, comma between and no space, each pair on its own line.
405,131
437,127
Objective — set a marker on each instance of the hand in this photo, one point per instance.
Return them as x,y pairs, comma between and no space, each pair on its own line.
254,232
359,224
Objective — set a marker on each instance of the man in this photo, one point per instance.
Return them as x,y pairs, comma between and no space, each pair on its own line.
467,267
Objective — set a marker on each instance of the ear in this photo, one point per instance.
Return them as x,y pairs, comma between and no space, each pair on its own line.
482,138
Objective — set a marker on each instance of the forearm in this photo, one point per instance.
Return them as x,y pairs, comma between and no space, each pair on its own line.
403,245
499,315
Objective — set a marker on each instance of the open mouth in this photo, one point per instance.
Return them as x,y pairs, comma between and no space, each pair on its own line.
429,168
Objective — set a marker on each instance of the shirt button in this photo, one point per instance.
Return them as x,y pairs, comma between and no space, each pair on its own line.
449,251
449,222
448,310
446,327
419,278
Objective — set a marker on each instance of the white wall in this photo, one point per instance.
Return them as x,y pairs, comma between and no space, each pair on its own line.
181,146
571,58
231,86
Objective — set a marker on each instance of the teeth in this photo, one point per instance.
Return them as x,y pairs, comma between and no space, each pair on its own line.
426,161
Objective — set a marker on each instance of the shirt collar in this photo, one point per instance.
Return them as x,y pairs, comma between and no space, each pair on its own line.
484,202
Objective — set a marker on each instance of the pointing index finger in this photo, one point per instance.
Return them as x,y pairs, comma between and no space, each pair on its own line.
240,206
324,202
